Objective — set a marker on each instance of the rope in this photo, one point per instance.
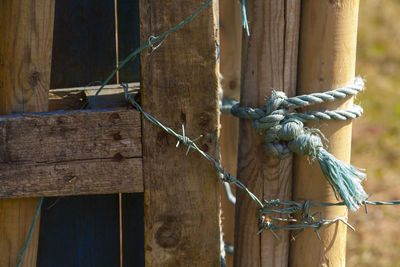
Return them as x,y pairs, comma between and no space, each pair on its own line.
21,257
267,209
284,134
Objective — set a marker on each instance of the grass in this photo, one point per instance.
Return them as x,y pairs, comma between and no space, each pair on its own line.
376,136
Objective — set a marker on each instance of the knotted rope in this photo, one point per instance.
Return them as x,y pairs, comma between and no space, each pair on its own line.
284,133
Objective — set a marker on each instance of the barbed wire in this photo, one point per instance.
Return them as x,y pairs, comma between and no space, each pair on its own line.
296,215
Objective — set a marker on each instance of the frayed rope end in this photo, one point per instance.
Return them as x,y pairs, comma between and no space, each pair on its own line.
344,178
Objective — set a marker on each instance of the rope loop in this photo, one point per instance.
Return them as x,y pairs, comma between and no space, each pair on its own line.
284,133
283,127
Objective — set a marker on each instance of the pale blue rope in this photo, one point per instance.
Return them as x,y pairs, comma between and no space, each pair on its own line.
267,222
284,133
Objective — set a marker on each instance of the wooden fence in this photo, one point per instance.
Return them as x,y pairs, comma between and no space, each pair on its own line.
64,153
118,191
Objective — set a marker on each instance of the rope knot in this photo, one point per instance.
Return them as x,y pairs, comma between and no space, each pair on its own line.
284,133
275,101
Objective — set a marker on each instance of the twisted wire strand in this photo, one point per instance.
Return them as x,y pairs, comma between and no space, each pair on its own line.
224,176
307,220
266,208
152,40
304,217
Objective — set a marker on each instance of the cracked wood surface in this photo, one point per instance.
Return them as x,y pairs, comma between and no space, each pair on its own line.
26,30
179,86
69,153
269,62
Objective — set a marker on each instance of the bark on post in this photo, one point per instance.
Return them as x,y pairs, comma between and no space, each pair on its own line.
326,61
26,30
269,61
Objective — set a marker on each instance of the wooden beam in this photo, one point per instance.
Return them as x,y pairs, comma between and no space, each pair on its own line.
327,61
70,153
179,86
26,30
83,177
269,62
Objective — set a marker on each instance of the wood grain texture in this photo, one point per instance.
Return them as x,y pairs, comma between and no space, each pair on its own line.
179,86
83,177
230,24
269,61
26,30
229,152
66,153
327,61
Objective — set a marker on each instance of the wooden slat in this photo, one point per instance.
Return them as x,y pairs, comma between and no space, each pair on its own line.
179,86
101,176
26,30
269,62
66,153
230,55
327,61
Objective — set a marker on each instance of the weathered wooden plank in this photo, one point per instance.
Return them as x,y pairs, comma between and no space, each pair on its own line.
69,136
269,62
66,153
26,30
327,59
179,86
96,176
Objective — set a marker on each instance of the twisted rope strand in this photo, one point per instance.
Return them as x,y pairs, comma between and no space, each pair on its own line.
329,96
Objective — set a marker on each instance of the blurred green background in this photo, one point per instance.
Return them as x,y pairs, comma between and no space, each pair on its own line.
376,139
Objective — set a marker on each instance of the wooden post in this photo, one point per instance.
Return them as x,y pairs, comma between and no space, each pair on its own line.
26,30
327,61
179,86
230,23
269,61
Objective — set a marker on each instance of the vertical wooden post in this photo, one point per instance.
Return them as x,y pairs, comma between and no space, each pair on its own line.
230,24
179,86
269,61
327,61
26,30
